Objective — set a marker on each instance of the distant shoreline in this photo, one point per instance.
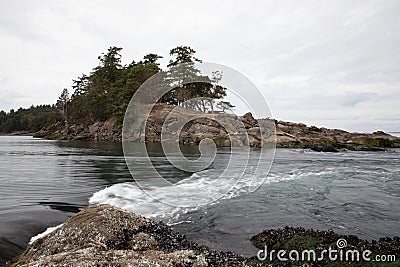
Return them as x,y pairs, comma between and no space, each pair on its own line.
18,133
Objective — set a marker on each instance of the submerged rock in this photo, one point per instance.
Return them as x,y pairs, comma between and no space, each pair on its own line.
108,236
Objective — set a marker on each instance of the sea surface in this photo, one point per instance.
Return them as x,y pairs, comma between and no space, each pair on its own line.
43,182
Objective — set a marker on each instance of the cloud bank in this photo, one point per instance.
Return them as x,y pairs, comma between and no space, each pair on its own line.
325,63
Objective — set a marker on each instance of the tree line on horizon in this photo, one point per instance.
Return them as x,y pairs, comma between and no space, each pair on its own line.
107,90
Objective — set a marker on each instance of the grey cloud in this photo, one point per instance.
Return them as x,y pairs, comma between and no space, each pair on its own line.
325,62
352,99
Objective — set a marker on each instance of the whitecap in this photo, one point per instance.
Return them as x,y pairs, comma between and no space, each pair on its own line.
48,231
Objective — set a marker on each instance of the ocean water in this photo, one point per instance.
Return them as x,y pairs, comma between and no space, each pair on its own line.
43,182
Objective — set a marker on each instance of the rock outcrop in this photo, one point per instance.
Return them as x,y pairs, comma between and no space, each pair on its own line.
108,130
203,125
108,236
223,129
299,135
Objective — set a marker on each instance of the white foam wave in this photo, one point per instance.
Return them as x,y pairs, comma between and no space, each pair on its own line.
48,231
131,197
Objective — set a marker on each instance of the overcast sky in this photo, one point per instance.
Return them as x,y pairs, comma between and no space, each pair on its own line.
325,63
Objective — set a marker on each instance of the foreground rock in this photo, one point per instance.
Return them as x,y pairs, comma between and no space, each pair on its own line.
108,236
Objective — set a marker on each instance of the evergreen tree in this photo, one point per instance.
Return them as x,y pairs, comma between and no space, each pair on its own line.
107,90
225,105
62,105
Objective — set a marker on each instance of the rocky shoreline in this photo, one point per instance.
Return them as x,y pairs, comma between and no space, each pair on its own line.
299,135
288,134
108,236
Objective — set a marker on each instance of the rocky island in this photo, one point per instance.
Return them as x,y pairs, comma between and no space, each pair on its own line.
96,109
288,134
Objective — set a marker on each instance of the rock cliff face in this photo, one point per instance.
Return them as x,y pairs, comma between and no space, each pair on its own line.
220,127
108,236
224,129
99,131
202,126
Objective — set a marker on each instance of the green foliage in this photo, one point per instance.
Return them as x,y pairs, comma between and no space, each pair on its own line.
298,241
205,89
107,90
62,105
225,105
396,143
182,54
31,119
379,142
